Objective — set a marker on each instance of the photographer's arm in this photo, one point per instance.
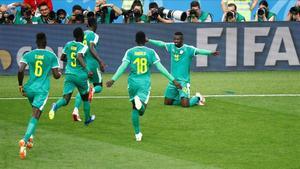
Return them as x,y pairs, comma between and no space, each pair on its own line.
254,3
163,20
157,43
117,10
224,6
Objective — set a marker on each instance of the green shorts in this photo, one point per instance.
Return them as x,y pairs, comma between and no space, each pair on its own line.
142,92
176,94
37,100
72,81
97,77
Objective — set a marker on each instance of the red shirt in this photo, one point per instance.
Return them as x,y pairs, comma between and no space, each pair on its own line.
35,3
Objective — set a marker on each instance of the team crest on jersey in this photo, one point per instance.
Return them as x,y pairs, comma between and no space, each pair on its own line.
176,57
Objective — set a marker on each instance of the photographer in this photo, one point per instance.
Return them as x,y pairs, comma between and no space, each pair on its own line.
155,16
77,15
106,13
135,14
46,17
6,17
232,15
23,16
294,14
196,15
61,16
263,13
244,7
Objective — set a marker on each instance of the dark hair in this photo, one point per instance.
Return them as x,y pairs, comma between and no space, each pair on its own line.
232,4
41,39
264,3
153,5
136,3
294,10
61,11
140,37
178,33
43,4
92,22
78,33
76,7
195,4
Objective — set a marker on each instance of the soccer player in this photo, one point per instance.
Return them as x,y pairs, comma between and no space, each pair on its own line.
40,62
93,62
140,59
77,74
181,58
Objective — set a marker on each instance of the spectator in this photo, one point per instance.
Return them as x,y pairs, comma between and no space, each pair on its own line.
61,16
23,16
46,16
154,14
36,3
196,15
294,14
135,14
232,15
263,13
77,15
244,7
106,13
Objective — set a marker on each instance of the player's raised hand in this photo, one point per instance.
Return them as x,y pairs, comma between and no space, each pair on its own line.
109,83
216,53
177,84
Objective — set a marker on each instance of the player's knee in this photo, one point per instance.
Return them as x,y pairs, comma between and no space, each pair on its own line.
85,97
185,103
168,102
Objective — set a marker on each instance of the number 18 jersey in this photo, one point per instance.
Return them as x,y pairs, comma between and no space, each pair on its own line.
141,59
40,62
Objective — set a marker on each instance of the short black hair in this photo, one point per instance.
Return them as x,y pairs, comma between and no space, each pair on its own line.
232,4
61,11
264,3
153,5
92,22
43,4
195,4
136,3
178,33
41,39
140,37
78,33
76,7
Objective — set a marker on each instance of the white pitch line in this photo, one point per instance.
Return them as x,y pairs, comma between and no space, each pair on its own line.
209,96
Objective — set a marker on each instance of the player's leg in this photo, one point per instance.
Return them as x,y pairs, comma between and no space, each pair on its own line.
69,86
38,103
186,101
82,86
171,95
97,82
75,113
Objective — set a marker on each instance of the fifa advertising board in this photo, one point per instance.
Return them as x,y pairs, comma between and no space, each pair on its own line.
243,46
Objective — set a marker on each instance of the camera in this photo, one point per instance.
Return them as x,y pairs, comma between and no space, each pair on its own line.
230,16
26,12
7,18
154,14
102,11
174,14
193,13
262,11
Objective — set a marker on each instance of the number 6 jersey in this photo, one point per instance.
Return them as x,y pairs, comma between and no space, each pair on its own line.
40,62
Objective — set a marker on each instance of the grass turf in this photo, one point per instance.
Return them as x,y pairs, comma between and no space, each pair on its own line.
229,132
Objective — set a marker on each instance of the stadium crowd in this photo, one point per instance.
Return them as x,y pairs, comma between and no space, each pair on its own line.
41,12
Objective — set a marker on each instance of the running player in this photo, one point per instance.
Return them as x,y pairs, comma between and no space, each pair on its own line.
40,62
140,59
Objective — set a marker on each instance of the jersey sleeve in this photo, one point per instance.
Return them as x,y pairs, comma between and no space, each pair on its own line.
168,46
126,57
94,39
83,49
197,51
155,57
25,59
55,62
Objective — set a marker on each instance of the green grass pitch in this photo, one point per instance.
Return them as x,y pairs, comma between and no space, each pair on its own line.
227,133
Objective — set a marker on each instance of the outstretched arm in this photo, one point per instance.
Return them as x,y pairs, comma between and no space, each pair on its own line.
164,71
157,43
97,57
117,75
206,52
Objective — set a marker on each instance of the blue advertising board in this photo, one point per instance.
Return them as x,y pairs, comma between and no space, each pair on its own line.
243,46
